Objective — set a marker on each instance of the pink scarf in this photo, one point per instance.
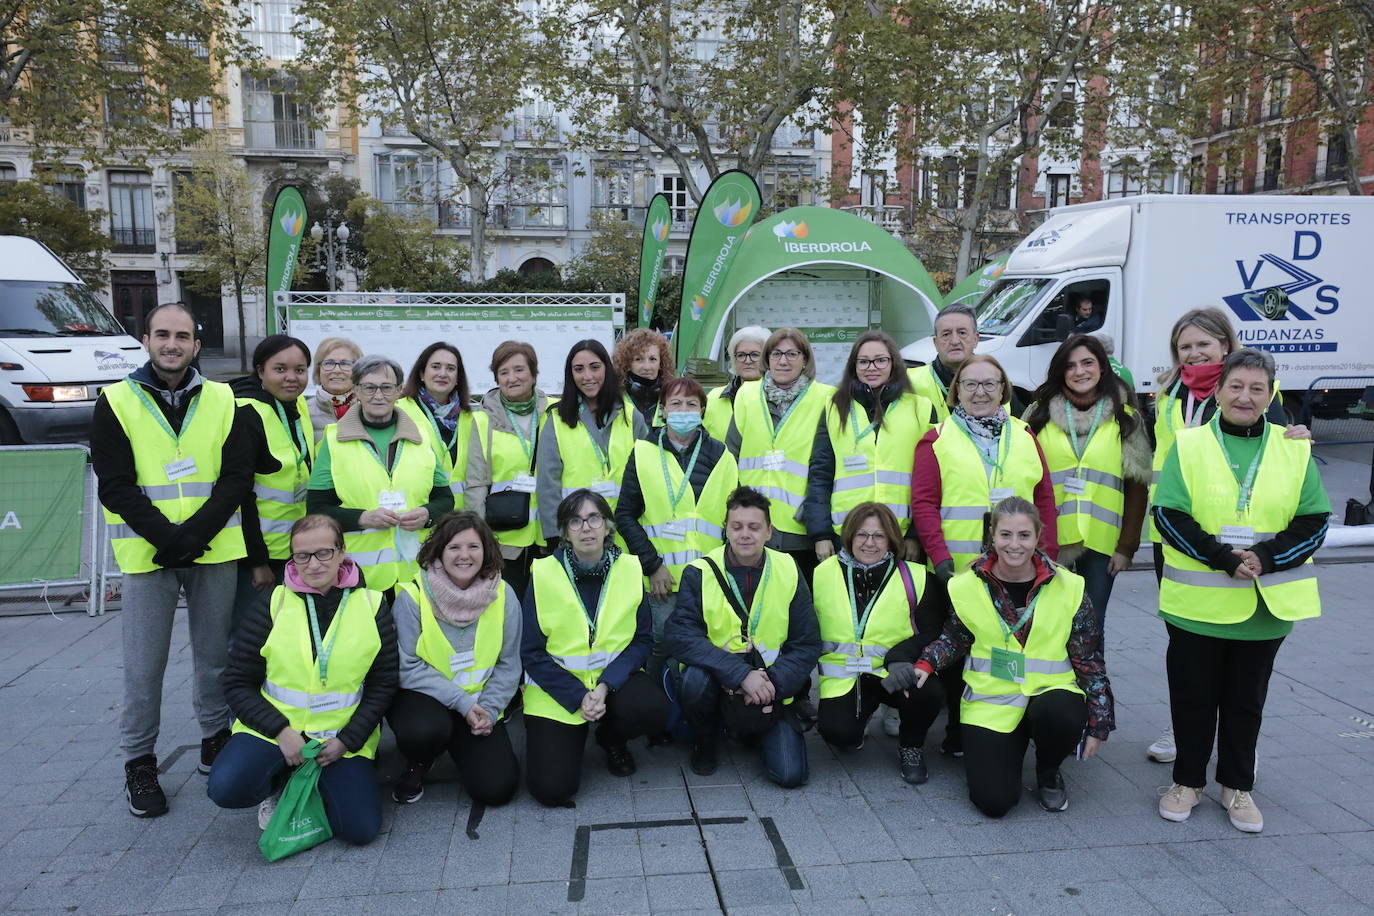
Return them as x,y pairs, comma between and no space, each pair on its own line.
459,606
348,578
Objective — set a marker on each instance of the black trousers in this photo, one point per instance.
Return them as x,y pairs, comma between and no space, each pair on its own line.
425,728
517,572
952,678
1217,689
841,719
553,750
993,760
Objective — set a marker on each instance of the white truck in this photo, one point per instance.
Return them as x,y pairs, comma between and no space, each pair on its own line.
1286,269
59,346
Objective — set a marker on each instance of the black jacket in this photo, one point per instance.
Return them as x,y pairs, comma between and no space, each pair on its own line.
264,462
112,457
630,507
929,616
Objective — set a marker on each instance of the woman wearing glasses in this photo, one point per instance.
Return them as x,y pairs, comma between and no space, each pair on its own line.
334,359
436,397
864,443
379,477
745,353
772,433
317,663
587,633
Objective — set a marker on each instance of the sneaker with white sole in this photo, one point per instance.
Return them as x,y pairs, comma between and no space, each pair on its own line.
892,722
1163,750
266,808
1177,802
1241,808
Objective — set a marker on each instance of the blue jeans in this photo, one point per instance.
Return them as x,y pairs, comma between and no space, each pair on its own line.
1097,582
249,769
783,747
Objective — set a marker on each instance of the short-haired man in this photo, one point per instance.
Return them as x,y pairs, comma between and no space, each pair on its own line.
955,338
174,465
746,633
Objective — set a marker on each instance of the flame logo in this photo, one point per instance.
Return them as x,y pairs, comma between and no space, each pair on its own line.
993,272
293,223
659,230
733,214
698,305
786,230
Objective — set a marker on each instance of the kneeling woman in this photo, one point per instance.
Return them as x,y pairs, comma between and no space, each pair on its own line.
587,633
865,599
1034,667
458,631
318,662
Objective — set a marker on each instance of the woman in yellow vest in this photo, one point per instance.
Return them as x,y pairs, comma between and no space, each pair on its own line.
378,475
501,484
864,445
587,634
1098,453
672,503
1033,668
278,419
458,634
867,599
1241,510
594,428
745,356
333,377
437,398
644,361
772,433
318,662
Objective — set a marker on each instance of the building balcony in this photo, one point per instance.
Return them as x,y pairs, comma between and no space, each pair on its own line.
134,241
891,218
282,135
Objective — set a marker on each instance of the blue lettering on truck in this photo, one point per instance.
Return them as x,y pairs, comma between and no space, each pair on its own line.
1271,280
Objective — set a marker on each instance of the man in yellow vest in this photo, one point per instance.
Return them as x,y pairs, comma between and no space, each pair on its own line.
955,337
174,464
746,633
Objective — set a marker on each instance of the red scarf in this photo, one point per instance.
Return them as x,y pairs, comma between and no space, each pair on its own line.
1201,380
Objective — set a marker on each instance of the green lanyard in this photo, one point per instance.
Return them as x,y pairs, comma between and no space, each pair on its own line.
686,474
592,620
158,416
603,456
301,460
1073,428
372,447
526,444
854,422
1248,485
861,623
1008,633
439,427
775,428
322,651
1169,406
758,595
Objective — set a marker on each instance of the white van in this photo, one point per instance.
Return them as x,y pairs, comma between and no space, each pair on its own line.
59,346
1287,270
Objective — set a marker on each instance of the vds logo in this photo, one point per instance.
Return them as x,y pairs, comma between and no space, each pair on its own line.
1269,297
1049,237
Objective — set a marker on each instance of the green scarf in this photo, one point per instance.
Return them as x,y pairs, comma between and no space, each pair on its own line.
522,408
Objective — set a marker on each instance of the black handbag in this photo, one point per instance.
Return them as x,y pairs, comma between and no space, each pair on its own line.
509,510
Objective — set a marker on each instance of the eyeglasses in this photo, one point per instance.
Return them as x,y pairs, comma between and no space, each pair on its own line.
787,355
371,391
971,385
878,362
324,556
337,364
594,522
869,536
746,357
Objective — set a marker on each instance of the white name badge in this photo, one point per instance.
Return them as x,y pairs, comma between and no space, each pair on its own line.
327,702
856,462
596,661
676,530
461,661
772,461
392,500
997,494
183,467
1237,535
523,483
1075,486
858,664
607,489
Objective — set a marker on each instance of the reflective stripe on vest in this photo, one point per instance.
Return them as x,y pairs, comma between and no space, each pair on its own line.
1194,591
888,623
723,624
703,518
786,487
1092,518
454,461
122,530
581,462
877,466
280,496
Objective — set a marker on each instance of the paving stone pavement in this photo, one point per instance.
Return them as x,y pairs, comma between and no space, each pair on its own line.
855,840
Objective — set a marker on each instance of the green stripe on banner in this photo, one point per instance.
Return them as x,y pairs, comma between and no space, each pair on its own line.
449,313
41,496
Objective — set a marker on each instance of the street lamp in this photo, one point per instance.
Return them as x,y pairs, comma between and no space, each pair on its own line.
333,241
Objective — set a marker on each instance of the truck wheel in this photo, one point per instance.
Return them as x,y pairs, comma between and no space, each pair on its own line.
9,433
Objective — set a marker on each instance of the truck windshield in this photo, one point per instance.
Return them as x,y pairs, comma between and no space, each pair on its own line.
44,309
1003,306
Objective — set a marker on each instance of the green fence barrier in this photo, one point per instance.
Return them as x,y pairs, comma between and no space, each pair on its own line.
43,493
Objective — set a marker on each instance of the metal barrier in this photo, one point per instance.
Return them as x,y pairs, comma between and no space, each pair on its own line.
1339,409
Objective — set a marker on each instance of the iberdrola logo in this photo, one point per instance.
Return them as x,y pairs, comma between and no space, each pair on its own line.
659,230
698,305
786,230
993,271
733,214
292,223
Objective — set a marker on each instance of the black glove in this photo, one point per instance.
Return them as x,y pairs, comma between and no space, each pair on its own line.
945,570
900,676
182,552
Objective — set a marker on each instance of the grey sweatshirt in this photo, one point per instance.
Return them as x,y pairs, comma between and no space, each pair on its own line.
420,676
549,460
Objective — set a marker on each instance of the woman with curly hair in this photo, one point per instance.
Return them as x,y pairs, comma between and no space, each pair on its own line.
644,361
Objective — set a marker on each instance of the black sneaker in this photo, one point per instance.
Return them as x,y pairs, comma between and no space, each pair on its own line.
410,786
210,748
704,759
913,764
145,796
661,739
619,762
1050,791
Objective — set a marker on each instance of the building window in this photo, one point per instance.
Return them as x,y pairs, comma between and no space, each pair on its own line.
1234,114
193,44
180,181
1124,180
1197,176
873,188
1058,189
947,193
71,185
192,113
270,28
1065,113
131,212
784,186
409,183
8,172
1337,157
126,107
1002,190
537,193
536,122
1273,106
614,182
674,187
275,118
1273,165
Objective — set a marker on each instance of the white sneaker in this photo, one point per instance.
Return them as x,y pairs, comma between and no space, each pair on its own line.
892,721
1241,808
1163,750
1177,802
266,808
